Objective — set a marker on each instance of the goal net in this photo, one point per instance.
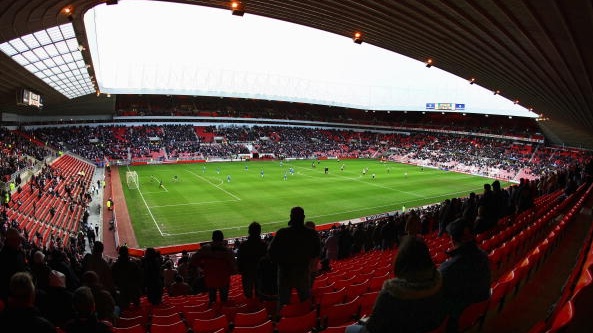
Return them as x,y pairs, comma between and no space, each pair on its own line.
132,180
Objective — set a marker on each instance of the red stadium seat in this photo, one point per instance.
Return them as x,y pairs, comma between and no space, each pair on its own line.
472,315
334,329
178,327
331,298
562,318
251,318
300,324
208,314
131,321
296,309
210,325
367,301
265,327
358,289
132,329
165,320
339,314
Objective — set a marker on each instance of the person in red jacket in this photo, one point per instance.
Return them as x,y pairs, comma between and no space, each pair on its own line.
218,264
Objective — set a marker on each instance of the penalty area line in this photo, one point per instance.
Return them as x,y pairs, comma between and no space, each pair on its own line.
149,211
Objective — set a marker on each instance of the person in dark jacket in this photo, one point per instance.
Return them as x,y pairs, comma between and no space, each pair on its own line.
127,277
466,274
293,248
248,256
218,263
153,284
20,315
413,300
83,303
12,260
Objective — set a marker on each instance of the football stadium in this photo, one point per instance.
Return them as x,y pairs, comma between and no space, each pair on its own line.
296,166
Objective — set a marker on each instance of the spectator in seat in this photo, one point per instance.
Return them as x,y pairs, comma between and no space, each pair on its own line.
83,303
466,274
57,302
413,224
127,277
218,263
293,248
104,302
248,256
413,300
179,287
20,315
40,271
169,273
12,260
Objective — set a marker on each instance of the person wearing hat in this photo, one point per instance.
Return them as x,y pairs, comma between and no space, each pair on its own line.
466,274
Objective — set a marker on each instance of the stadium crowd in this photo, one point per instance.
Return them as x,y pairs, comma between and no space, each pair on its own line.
506,159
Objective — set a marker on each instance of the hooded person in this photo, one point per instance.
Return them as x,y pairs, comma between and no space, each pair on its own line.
413,300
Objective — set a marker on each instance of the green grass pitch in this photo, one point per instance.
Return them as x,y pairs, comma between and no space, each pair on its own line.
203,199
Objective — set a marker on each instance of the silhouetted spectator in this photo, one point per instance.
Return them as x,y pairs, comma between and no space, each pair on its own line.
169,273
57,302
293,248
248,256
151,266
466,274
127,277
83,303
218,264
20,315
179,287
12,260
95,262
104,302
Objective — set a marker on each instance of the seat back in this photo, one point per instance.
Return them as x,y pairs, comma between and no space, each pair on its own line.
300,324
265,327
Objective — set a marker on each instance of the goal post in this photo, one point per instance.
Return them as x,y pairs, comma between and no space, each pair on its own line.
132,180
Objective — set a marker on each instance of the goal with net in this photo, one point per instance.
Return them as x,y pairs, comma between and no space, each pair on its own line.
132,180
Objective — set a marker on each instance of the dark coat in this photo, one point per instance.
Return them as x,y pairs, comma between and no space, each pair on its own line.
405,306
466,278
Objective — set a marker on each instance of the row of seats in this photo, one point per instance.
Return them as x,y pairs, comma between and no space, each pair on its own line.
34,213
543,235
577,295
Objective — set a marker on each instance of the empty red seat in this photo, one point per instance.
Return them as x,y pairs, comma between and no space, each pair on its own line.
265,327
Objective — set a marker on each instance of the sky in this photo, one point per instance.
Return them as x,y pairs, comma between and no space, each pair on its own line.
153,47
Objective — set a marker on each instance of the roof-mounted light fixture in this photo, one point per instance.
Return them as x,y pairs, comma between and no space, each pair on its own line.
68,11
429,63
472,80
237,8
357,38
